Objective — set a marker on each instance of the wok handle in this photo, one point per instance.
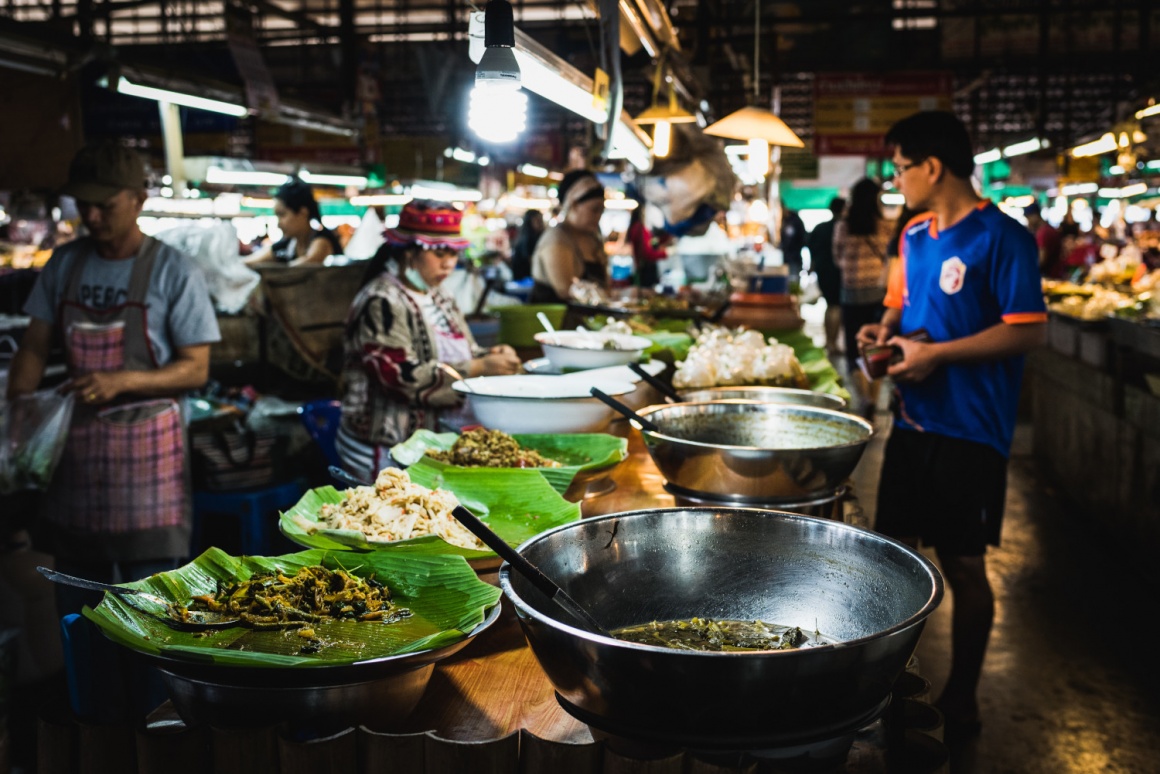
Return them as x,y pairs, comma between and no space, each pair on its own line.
624,410
526,568
660,386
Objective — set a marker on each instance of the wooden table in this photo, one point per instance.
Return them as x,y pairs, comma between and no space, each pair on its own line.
494,686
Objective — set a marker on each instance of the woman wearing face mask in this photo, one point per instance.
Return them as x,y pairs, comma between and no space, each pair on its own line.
301,243
573,249
400,329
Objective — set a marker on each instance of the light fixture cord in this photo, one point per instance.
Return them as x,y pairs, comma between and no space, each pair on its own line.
756,50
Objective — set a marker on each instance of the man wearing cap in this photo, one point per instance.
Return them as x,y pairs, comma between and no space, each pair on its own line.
401,333
136,322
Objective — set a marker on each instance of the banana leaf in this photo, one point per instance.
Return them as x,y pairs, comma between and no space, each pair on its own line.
580,452
516,504
444,594
822,375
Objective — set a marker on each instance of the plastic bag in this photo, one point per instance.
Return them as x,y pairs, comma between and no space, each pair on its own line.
214,249
33,430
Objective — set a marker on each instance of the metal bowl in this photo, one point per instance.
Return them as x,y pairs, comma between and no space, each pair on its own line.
765,395
374,693
754,453
868,592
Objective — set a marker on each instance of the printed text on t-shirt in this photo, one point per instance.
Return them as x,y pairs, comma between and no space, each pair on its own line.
102,296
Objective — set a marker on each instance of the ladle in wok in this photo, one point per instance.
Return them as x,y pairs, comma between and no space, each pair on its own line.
190,620
661,387
511,556
625,410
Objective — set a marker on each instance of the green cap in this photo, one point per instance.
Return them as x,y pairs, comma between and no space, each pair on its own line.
101,171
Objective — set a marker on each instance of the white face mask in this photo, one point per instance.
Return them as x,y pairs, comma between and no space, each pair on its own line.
411,274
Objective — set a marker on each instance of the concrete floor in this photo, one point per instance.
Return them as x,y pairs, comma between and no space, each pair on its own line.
1071,684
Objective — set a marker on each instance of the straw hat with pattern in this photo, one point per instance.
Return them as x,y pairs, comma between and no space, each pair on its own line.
429,225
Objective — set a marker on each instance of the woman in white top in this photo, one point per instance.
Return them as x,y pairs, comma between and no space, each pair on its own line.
573,248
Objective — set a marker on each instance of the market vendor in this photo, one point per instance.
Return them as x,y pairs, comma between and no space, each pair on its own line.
401,328
304,239
572,249
136,322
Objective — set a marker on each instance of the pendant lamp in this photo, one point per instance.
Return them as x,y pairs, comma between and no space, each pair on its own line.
664,117
755,123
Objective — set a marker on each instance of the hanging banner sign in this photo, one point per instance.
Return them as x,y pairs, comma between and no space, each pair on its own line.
261,93
853,111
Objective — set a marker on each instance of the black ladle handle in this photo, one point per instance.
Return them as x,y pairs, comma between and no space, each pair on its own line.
526,569
84,583
623,409
661,387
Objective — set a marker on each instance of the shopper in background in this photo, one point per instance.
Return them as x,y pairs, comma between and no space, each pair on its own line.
791,241
969,277
400,331
860,244
1048,240
646,252
821,246
572,249
304,238
525,244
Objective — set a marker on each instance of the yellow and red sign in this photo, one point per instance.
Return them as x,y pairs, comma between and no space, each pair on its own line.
853,111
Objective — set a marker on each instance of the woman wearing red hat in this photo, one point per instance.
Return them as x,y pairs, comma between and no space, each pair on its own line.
401,328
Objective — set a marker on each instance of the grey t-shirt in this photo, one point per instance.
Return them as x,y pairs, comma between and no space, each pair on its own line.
180,311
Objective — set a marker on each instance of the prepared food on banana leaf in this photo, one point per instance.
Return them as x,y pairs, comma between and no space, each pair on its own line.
723,356
707,634
483,448
313,595
396,508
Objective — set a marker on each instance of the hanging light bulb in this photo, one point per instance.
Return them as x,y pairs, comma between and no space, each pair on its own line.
498,107
662,139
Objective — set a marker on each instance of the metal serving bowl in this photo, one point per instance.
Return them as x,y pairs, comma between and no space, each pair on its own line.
374,693
869,593
754,453
765,395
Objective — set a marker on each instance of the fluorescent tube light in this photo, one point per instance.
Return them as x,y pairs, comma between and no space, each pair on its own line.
986,157
1027,146
220,176
358,181
1078,189
621,204
1151,110
125,86
893,199
380,200
448,194
531,170
1105,144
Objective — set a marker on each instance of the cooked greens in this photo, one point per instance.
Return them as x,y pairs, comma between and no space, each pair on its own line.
719,635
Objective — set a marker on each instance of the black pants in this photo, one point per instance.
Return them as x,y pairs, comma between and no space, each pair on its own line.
854,316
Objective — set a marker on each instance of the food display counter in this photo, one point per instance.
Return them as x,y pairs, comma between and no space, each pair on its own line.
489,708
1095,392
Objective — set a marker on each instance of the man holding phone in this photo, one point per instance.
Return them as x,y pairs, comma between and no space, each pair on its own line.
968,281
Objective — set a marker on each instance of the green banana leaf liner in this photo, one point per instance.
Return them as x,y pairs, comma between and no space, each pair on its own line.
516,504
444,594
579,453
819,370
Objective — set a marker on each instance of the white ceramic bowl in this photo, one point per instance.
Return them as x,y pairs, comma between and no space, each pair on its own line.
540,404
578,350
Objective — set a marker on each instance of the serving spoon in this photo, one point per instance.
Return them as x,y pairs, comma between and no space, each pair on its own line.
190,621
525,568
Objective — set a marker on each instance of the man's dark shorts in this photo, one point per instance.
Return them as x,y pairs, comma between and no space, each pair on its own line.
947,491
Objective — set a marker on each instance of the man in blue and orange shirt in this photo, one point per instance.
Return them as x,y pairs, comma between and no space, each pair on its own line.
968,276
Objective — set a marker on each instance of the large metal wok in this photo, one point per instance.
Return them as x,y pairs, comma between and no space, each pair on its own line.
868,592
754,453
765,395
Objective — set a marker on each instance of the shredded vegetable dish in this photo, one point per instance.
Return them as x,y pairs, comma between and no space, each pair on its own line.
313,595
482,448
395,508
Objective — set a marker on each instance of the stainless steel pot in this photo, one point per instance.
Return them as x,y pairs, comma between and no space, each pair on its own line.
373,693
765,395
754,453
866,591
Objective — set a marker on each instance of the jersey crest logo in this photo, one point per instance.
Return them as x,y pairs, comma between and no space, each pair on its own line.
953,273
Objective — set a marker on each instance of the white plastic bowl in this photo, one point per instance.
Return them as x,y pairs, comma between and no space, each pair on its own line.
579,350
540,404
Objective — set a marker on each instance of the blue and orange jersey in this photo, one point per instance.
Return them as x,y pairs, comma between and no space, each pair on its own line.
956,282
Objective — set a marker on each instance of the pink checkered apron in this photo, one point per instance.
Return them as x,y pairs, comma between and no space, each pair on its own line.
123,467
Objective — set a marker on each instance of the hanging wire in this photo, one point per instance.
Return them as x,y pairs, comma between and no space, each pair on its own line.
756,51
